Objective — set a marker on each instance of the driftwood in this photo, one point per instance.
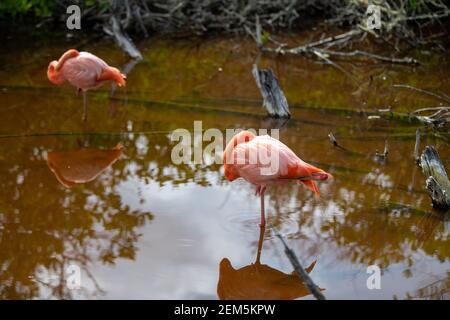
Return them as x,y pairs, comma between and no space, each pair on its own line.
274,99
320,49
400,21
115,30
437,182
393,24
336,144
417,146
438,116
301,272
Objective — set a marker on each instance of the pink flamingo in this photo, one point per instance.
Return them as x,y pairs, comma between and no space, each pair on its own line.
84,71
244,154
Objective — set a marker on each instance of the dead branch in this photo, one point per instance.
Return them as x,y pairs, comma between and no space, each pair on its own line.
333,139
360,53
417,146
303,275
383,156
442,97
335,143
124,42
274,99
439,118
239,17
437,182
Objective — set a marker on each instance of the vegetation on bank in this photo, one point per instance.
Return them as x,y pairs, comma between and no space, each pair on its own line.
409,22
200,16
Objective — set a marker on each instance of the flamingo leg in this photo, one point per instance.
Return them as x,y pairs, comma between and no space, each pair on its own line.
263,215
84,106
262,229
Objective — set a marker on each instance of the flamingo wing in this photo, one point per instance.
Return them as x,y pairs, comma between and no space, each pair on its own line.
272,162
84,70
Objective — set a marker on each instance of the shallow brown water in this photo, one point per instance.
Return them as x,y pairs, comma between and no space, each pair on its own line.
140,226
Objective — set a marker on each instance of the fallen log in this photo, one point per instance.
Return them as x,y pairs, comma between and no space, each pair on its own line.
274,99
437,182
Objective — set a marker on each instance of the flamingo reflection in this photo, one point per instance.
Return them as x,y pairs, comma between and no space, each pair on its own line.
81,165
259,281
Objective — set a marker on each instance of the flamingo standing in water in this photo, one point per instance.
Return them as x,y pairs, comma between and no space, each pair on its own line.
84,71
242,158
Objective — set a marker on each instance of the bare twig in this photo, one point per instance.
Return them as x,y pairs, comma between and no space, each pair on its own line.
442,97
438,119
417,146
383,156
356,53
333,139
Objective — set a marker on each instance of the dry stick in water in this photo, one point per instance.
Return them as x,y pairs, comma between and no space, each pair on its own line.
417,146
347,37
304,276
430,93
439,118
385,153
437,182
378,156
333,140
274,99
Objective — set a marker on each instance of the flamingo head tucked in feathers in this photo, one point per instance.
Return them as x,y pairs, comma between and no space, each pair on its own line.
230,169
53,75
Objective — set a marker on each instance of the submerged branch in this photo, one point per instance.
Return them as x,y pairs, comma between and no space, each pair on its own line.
417,146
335,143
442,97
439,118
301,272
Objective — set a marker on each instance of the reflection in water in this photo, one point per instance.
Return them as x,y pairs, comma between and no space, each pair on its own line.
437,290
259,281
82,165
374,213
46,228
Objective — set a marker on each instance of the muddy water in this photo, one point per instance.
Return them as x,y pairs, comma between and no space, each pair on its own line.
106,197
